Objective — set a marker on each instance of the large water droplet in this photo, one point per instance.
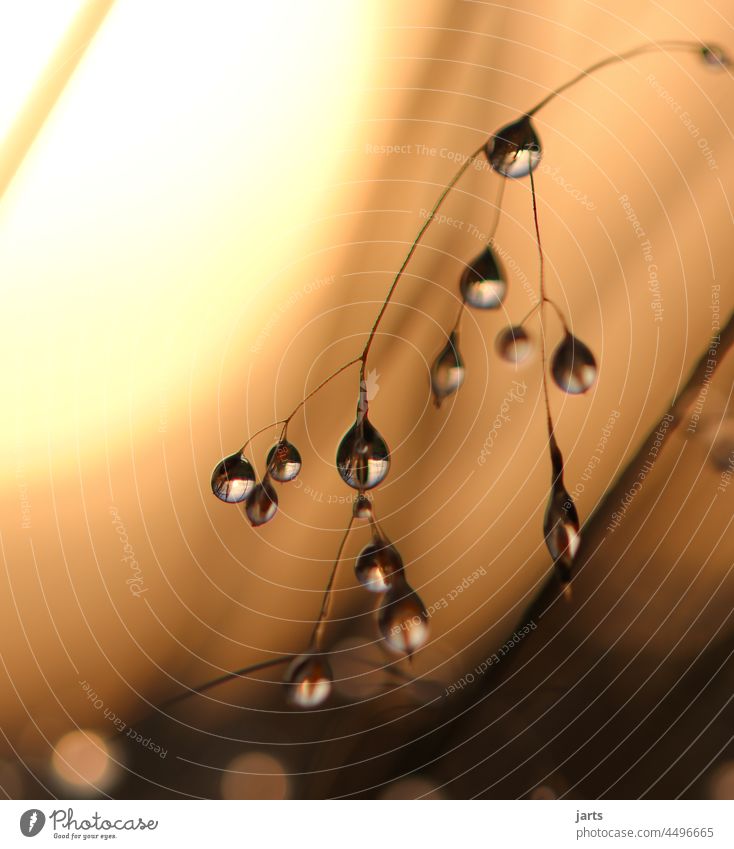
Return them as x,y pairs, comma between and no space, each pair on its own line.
309,680
514,150
403,620
447,371
561,528
573,366
715,56
377,565
363,458
284,462
262,504
483,283
233,478
514,344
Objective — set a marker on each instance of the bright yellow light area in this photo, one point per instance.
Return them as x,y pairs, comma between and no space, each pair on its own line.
165,189
30,31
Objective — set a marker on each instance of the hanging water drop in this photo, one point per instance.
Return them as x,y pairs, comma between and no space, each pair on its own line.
514,344
309,680
233,478
378,565
363,458
447,371
362,508
514,150
483,283
284,462
403,620
561,528
262,503
573,366
715,56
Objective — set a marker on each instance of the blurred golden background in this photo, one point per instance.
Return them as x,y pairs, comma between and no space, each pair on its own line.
203,207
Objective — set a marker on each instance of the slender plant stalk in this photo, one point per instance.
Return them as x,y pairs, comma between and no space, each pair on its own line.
543,301
639,50
665,46
317,638
245,672
427,223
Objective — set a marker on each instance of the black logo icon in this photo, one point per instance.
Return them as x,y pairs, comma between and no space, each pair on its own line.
31,822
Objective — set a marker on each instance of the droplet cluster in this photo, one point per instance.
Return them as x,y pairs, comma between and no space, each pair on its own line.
363,457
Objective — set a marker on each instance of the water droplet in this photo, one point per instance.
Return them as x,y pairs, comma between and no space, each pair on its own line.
514,150
447,371
363,458
284,462
561,528
573,366
483,284
262,504
362,508
514,344
309,680
715,56
377,564
403,620
233,478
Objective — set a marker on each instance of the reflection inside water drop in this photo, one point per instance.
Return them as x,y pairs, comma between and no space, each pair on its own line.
483,283
284,462
233,478
403,620
363,458
561,528
309,680
573,366
262,504
514,344
377,565
514,150
447,372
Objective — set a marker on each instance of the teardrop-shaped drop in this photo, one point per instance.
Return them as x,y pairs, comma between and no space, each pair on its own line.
378,564
483,282
284,462
362,508
262,504
514,344
715,56
309,680
447,371
573,366
363,458
403,620
233,478
514,150
561,528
